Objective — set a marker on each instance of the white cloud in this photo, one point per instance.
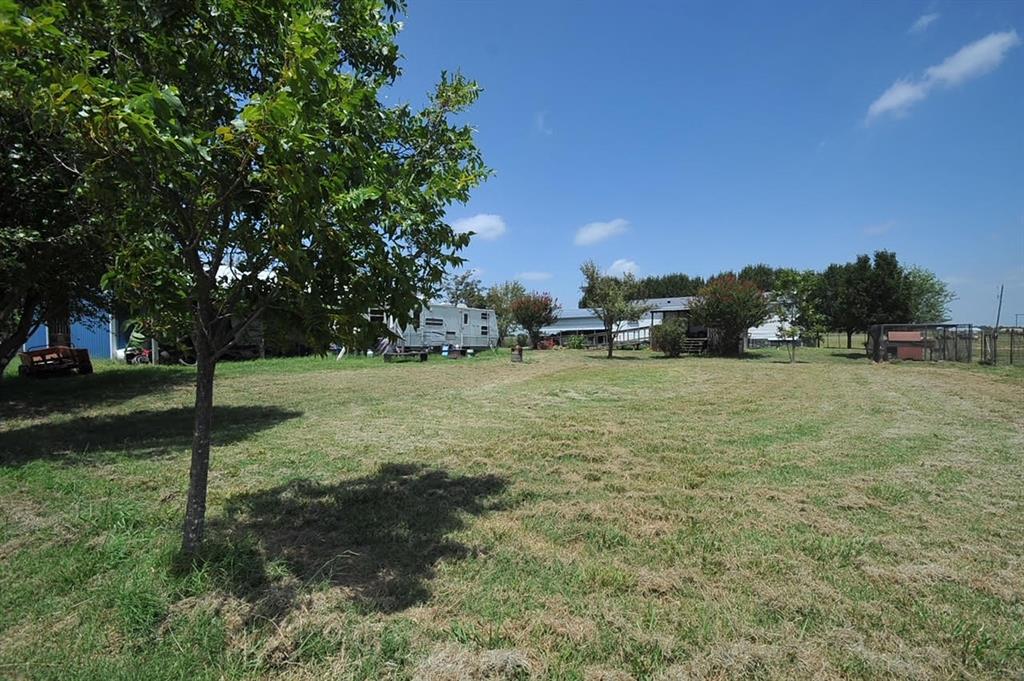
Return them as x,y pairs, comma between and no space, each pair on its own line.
620,267
880,228
484,226
540,123
898,98
534,276
971,61
923,22
976,59
599,231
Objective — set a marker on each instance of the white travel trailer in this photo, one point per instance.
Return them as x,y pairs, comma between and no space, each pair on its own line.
457,325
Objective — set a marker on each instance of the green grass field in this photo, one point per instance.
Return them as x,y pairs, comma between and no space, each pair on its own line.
568,518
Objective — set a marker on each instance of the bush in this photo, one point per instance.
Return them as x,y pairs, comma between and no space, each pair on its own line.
523,340
669,336
576,342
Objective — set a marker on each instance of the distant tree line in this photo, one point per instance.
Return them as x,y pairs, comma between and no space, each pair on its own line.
848,297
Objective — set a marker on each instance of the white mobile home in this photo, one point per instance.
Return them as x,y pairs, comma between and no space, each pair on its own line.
439,325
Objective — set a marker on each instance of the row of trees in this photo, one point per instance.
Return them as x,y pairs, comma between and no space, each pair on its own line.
849,297
679,284
853,296
219,161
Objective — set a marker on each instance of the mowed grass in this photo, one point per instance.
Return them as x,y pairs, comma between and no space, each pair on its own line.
568,518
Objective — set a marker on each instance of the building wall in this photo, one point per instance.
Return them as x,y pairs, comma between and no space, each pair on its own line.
92,334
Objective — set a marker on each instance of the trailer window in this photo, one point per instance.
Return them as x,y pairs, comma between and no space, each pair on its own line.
377,316
483,330
449,334
465,318
483,315
433,321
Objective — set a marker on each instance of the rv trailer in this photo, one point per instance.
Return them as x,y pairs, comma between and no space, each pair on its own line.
454,325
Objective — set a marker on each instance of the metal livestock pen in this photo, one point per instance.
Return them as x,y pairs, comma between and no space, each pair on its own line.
930,342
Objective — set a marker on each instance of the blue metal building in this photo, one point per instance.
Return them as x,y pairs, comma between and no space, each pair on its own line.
100,335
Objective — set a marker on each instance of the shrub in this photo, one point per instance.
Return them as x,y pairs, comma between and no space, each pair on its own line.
523,340
669,336
576,342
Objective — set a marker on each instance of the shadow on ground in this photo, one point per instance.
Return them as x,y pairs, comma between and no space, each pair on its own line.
36,397
377,537
851,355
138,434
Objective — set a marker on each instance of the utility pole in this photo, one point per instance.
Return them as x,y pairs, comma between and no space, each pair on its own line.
999,309
995,330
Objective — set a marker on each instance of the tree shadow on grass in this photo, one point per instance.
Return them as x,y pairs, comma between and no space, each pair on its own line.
98,439
851,355
378,537
22,397
625,358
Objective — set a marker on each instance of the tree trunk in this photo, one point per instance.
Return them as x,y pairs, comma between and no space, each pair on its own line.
19,335
849,340
611,342
195,507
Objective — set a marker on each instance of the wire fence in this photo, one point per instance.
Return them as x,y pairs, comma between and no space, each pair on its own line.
837,339
1004,345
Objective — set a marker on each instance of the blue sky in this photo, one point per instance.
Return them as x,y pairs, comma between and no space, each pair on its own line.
697,137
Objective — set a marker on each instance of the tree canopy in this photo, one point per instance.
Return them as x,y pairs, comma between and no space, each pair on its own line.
53,248
929,296
465,289
667,286
730,307
500,298
533,311
249,164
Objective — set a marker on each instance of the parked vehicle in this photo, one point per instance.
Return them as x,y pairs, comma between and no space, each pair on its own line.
447,325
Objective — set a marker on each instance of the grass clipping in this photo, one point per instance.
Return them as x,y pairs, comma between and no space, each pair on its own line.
457,663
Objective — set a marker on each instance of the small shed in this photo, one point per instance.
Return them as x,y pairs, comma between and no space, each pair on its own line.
906,344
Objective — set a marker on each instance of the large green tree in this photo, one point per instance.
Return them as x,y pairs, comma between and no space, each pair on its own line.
843,296
888,295
53,250
252,164
613,299
929,296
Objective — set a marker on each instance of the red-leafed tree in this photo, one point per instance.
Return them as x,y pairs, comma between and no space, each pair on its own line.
533,311
730,306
